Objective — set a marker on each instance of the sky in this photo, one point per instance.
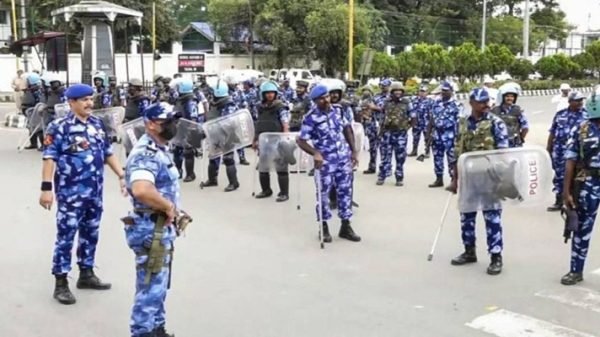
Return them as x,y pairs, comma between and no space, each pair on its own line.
578,12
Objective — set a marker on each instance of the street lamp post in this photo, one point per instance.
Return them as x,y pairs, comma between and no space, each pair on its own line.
484,25
251,34
526,31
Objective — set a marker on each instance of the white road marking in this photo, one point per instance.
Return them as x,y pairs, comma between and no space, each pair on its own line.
574,296
596,272
537,112
504,323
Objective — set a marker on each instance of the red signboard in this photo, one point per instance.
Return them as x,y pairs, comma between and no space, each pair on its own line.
190,63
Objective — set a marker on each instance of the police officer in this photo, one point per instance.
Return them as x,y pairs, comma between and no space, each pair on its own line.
351,93
480,131
512,115
137,100
273,116
444,117
100,97
583,168
56,95
115,95
238,99
286,92
34,94
397,120
249,97
372,123
334,155
422,108
157,88
221,105
300,105
187,108
152,181
563,122
201,97
77,147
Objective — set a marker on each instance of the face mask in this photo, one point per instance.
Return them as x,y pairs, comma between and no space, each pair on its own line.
169,130
55,86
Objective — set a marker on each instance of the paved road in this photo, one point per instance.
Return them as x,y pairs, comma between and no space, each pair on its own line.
251,268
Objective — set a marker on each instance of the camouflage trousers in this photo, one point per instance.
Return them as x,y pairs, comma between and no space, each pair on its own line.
371,133
417,132
339,176
81,217
392,142
558,164
493,219
589,200
443,144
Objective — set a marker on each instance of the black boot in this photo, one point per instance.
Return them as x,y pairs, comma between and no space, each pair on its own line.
469,256
190,175
283,179
557,204
88,280
346,232
62,293
178,164
400,182
244,162
326,235
369,171
439,182
265,185
571,279
232,177
161,332
495,266
413,152
212,176
379,182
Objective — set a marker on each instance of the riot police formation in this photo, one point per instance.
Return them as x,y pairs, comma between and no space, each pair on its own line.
397,119
480,131
512,114
221,105
272,116
55,95
563,122
186,107
137,100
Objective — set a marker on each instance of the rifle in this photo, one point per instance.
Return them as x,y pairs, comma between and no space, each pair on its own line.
570,214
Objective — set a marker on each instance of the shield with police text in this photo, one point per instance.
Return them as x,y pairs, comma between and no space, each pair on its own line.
228,133
61,110
189,134
131,132
278,150
111,118
518,176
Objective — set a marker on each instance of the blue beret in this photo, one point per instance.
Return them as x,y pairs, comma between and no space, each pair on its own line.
447,86
77,91
480,95
318,91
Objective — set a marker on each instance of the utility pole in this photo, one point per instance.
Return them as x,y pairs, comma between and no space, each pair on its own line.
526,31
251,28
350,38
484,25
24,35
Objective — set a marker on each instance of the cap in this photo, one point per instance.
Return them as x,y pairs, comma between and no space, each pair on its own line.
136,82
77,91
565,86
576,96
447,86
302,83
160,110
479,95
318,91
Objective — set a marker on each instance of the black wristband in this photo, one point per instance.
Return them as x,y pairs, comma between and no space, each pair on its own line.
46,186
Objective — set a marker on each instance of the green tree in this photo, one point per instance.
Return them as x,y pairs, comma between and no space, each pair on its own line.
551,23
521,68
407,65
497,58
593,50
383,65
547,66
434,60
585,60
231,20
187,11
466,59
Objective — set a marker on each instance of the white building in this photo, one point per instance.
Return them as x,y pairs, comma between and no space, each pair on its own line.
574,44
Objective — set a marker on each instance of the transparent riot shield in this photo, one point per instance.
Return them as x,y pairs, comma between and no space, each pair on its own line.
359,136
61,110
35,118
488,179
131,132
277,151
189,134
228,133
111,118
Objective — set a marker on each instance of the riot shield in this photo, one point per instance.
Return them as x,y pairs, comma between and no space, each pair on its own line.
228,133
111,117
519,176
131,132
61,110
277,151
189,134
35,117
359,136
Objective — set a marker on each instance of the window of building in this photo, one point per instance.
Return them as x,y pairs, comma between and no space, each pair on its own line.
562,44
3,17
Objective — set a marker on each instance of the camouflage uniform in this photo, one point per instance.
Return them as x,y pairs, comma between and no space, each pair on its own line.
301,105
150,162
396,122
422,110
79,150
515,120
444,118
